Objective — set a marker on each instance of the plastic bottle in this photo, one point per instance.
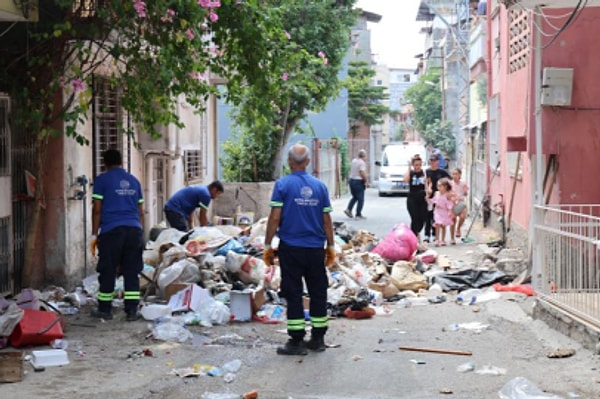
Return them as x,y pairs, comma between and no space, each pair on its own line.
469,297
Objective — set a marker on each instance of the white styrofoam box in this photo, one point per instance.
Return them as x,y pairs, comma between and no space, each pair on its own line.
240,305
49,357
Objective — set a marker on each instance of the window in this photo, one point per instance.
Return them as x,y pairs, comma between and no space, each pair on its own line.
518,39
107,115
193,165
4,138
379,82
406,78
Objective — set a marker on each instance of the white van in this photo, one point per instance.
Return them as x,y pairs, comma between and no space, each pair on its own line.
395,160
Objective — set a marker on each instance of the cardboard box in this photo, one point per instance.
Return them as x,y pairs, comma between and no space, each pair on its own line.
258,299
244,304
189,298
174,288
11,366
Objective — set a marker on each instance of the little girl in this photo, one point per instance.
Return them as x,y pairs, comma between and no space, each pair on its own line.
459,211
442,213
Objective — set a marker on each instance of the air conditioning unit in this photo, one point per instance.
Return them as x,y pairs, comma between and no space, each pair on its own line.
557,86
147,143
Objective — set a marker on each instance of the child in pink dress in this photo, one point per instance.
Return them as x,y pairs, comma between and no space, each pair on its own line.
442,213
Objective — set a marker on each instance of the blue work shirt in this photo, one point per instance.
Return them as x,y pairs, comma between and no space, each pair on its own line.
186,200
120,193
303,199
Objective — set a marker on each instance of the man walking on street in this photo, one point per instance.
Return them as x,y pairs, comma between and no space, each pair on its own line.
179,209
358,184
301,217
117,220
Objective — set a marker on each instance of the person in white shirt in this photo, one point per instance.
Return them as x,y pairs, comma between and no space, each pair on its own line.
358,183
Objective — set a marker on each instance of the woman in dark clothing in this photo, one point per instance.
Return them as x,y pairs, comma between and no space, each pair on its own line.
415,202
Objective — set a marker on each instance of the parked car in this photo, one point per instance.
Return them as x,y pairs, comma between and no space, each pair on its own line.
395,160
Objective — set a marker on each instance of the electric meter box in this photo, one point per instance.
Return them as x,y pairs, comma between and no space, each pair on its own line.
557,86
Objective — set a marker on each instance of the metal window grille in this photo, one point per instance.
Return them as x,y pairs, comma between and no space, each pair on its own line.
107,116
87,8
160,184
4,138
518,39
5,256
193,165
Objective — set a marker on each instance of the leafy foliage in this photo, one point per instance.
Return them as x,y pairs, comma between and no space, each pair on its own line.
154,52
364,99
426,99
300,75
440,135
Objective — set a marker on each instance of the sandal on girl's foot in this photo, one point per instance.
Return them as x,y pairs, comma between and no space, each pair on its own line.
437,243
458,234
443,243
452,242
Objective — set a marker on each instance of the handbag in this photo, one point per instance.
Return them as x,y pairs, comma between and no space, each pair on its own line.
458,208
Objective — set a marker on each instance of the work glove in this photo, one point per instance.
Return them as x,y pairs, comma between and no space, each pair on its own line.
94,245
269,255
330,256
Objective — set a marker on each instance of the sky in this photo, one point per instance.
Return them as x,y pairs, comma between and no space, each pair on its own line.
395,39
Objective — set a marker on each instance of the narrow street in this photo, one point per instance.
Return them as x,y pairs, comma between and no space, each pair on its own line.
364,360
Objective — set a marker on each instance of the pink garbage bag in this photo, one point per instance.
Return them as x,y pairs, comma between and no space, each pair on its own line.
399,244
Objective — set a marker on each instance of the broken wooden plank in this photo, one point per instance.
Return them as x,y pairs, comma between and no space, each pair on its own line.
432,350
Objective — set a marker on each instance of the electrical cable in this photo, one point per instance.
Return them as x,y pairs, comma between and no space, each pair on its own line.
574,14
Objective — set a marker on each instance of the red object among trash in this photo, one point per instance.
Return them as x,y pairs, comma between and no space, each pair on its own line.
526,289
365,313
37,327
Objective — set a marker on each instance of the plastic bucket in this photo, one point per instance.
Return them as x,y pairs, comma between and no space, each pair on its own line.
37,327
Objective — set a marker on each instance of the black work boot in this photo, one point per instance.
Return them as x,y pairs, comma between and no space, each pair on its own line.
97,313
316,344
293,347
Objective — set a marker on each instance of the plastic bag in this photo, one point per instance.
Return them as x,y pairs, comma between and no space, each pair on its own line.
399,244
183,271
231,245
10,318
406,278
249,269
522,388
171,330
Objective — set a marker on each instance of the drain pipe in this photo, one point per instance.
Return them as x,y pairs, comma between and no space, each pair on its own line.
538,194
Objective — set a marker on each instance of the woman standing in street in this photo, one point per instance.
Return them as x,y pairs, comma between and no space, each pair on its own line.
416,202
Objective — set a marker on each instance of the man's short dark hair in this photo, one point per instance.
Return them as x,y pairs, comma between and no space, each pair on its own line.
112,157
216,185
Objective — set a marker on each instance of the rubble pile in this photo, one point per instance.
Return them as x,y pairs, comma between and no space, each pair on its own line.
215,275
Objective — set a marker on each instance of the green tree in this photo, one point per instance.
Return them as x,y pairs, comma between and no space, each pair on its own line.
440,135
154,51
300,75
426,98
364,99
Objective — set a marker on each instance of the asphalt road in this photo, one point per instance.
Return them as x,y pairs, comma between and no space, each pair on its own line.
366,361
382,213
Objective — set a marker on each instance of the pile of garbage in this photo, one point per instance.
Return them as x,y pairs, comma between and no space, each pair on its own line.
213,275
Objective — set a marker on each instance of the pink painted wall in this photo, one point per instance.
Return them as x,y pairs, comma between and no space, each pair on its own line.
516,110
573,133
